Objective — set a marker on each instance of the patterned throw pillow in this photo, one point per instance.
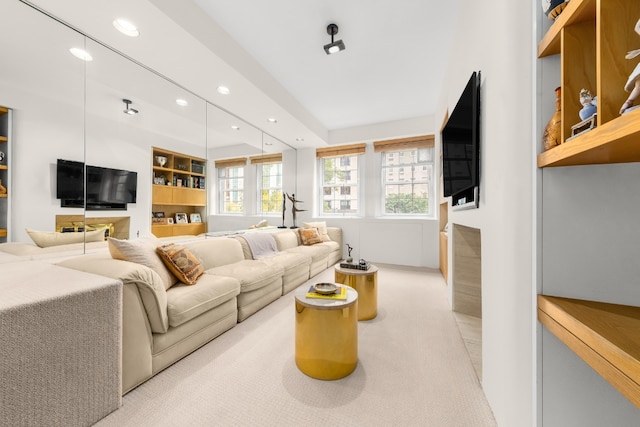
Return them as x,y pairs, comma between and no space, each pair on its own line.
322,229
309,236
181,262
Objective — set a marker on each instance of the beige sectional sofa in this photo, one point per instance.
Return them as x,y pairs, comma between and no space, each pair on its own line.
160,325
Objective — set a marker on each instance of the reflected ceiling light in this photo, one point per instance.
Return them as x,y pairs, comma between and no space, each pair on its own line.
268,143
223,90
182,102
126,27
333,47
234,127
299,139
81,54
127,109
272,120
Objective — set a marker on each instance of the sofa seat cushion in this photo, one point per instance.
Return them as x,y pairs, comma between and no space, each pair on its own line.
187,302
317,252
252,274
290,260
333,246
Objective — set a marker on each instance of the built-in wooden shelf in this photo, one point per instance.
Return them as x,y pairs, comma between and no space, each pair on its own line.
613,142
3,138
3,232
606,336
575,12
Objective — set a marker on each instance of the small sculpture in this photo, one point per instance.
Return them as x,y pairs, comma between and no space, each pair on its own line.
553,8
294,208
633,84
551,136
349,249
284,208
589,104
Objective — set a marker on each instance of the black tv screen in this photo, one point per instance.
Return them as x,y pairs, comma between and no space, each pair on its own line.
105,188
461,142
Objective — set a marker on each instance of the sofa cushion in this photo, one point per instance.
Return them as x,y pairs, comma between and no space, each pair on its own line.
187,302
309,236
142,251
216,251
286,239
182,263
322,229
316,252
45,239
252,274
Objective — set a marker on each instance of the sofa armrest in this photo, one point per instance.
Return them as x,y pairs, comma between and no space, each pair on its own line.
148,283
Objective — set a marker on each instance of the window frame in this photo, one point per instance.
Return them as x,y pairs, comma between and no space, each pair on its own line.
259,188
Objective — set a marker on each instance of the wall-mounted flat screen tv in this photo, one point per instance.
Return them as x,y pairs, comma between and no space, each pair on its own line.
461,145
105,188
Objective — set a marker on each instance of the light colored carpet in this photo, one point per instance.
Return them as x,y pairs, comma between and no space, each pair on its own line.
413,370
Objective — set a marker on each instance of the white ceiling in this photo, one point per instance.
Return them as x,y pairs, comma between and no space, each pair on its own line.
270,54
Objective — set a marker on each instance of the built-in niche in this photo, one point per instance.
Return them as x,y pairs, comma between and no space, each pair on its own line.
467,289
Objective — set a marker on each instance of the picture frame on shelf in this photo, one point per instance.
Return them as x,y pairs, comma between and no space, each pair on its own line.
157,214
195,217
169,220
181,218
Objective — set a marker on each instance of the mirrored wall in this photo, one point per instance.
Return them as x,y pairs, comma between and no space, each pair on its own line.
65,108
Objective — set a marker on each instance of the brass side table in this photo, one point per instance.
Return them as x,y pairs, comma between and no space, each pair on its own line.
326,335
366,283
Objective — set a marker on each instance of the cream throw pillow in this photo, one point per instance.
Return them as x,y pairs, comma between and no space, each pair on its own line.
322,229
142,251
45,239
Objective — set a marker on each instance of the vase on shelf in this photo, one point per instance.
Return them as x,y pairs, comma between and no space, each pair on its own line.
551,135
553,8
3,189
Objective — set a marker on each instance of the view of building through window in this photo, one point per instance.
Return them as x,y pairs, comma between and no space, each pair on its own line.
339,183
231,181
406,180
270,187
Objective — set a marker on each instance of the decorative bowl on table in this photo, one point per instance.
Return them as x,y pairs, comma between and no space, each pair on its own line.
325,288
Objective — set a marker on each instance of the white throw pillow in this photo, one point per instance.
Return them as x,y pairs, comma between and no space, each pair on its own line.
142,251
45,239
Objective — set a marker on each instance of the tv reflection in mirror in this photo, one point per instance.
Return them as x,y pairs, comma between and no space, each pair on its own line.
461,148
106,189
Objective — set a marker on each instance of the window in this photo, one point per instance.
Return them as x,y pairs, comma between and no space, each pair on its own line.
339,172
231,185
269,188
407,175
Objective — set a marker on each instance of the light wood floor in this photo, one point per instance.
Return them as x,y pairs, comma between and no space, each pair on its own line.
471,331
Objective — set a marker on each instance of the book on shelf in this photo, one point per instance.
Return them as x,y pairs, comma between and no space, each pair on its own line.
339,294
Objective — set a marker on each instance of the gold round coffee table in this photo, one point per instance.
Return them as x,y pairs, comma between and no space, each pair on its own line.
326,335
366,283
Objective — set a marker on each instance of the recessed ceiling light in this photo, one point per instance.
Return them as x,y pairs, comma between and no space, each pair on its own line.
272,120
81,54
126,27
223,90
234,127
268,143
299,139
182,102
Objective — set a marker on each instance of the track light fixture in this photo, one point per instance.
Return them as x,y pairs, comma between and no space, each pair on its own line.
127,109
333,47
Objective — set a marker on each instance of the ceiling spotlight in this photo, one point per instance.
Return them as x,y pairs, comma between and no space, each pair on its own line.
234,127
272,120
127,109
182,102
333,47
223,90
125,27
81,54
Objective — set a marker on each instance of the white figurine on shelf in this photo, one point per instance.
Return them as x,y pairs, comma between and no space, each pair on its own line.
633,84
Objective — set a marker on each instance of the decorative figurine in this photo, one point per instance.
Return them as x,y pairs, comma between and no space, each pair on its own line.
349,257
589,104
633,84
551,136
294,208
284,208
553,8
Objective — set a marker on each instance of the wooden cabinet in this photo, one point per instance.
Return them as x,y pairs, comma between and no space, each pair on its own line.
592,38
5,181
179,186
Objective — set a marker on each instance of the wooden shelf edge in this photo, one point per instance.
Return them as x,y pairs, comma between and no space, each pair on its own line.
3,139
3,232
4,110
575,11
596,333
613,142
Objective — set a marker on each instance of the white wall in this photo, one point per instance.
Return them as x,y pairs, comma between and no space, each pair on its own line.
496,38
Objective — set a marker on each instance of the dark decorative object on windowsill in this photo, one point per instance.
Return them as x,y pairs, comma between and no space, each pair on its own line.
284,208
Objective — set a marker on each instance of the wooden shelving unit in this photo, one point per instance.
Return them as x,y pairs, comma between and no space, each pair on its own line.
605,336
5,130
592,38
179,186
